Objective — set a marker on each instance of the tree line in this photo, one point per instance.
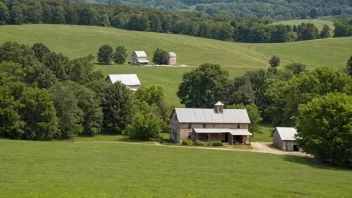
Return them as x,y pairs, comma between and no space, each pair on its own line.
220,26
317,103
46,95
277,10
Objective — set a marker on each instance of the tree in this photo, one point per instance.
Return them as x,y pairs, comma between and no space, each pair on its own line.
313,13
285,96
13,51
204,86
296,68
82,70
117,108
325,32
120,55
253,115
105,54
69,114
349,66
38,114
4,14
160,57
150,95
59,65
41,51
274,62
16,15
242,91
324,128
39,75
144,127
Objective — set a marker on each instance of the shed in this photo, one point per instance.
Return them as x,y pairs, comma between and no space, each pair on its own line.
139,58
131,81
284,138
171,58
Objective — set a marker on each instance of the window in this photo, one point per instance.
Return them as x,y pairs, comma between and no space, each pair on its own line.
189,126
203,125
238,126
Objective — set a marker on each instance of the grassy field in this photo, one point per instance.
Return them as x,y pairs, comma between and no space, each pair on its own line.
57,169
317,22
76,41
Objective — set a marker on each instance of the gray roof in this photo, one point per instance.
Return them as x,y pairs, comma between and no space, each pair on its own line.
126,79
219,104
287,133
216,130
140,54
192,115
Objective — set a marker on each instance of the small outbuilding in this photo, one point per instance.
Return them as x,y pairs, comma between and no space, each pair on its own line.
284,138
171,58
139,58
131,81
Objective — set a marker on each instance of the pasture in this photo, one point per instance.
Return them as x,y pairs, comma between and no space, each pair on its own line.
60,169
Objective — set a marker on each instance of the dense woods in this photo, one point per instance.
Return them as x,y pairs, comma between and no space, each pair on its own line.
222,26
47,96
277,10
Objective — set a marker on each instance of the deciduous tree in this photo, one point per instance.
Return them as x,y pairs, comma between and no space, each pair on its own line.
144,127
324,128
120,55
253,115
105,54
204,86
160,57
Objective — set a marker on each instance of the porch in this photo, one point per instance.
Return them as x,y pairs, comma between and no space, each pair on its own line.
231,136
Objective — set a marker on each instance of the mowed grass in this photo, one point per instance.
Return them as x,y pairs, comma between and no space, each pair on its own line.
57,169
317,22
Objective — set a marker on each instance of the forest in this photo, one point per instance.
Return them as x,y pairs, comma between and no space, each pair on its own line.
276,9
220,26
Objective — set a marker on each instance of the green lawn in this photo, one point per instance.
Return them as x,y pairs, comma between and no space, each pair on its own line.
317,22
111,138
237,58
265,135
59,169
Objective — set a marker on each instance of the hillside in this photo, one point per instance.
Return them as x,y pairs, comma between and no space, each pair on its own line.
77,41
318,23
54,169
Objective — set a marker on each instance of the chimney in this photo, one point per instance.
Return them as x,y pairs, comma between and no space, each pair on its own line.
219,107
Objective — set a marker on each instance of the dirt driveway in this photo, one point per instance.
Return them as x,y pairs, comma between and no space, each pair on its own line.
263,147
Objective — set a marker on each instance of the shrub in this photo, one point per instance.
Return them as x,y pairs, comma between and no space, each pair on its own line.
199,143
187,142
214,143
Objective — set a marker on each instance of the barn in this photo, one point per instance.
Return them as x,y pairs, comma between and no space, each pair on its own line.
139,58
284,138
171,58
131,81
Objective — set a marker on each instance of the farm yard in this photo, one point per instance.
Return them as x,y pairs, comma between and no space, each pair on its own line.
109,170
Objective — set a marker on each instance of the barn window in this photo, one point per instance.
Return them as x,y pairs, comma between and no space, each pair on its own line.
238,126
203,125
189,126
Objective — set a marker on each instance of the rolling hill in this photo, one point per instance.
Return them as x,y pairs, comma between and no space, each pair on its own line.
77,41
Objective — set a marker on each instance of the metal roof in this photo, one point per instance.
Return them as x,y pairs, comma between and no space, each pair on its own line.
142,60
172,54
192,115
287,133
140,54
126,79
219,104
222,130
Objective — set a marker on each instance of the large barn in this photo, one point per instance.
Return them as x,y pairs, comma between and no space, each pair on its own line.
218,124
284,138
139,58
131,81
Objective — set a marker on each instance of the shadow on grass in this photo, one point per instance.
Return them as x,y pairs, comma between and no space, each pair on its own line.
303,160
